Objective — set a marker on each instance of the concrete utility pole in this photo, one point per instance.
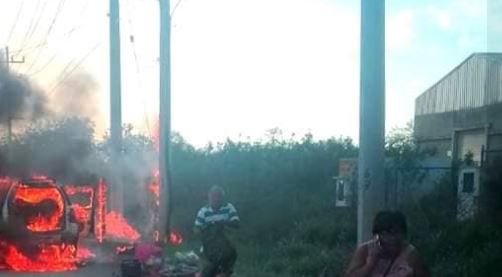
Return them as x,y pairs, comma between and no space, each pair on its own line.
117,191
371,192
8,60
165,118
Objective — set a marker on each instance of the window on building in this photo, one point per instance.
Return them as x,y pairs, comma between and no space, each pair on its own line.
340,191
468,182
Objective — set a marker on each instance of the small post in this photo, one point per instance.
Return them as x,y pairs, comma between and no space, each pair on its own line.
8,60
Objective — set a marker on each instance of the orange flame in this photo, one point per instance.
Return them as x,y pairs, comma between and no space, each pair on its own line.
118,228
84,253
77,193
82,215
154,188
43,221
100,226
122,249
175,238
41,218
82,201
51,258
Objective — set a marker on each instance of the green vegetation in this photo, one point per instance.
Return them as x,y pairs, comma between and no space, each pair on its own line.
284,191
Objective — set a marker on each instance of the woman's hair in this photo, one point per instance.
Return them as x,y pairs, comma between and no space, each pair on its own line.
389,221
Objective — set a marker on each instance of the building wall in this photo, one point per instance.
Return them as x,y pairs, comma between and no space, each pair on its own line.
495,142
494,116
436,130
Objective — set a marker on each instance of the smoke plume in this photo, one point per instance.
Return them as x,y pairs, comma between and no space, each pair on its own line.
19,99
77,96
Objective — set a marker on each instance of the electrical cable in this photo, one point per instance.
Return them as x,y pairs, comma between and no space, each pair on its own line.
15,21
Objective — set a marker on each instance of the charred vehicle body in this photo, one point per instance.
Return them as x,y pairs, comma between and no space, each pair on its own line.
36,213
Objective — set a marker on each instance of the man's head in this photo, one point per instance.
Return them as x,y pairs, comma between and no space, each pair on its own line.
391,229
215,196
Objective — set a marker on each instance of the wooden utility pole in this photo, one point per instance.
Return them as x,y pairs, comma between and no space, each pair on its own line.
117,190
8,60
165,118
371,192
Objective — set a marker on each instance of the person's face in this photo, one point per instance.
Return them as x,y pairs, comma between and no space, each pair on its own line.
215,200
391,242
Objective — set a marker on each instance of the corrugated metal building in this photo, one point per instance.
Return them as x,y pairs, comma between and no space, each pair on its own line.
462,112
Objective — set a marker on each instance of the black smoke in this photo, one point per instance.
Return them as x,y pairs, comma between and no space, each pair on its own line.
19,99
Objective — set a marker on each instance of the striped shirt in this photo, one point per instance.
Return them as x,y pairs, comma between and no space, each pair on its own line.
207,215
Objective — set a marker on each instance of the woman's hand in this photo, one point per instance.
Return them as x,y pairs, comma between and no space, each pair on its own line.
374,252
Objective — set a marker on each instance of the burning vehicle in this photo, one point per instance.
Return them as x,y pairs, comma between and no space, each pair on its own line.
82,203
42,227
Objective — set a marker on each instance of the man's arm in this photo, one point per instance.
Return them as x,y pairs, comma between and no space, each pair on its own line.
233,218
200,222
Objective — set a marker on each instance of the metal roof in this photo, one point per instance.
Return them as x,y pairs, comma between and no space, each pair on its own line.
474,83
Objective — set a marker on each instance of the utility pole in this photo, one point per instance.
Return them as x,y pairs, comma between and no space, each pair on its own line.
117,191
8,60
371,191
165,118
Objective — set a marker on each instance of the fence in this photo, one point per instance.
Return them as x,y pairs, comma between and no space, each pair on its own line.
489,156
409,184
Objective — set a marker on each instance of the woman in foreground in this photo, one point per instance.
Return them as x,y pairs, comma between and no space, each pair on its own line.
388,254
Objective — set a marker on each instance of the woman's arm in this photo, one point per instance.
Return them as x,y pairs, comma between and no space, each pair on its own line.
363,262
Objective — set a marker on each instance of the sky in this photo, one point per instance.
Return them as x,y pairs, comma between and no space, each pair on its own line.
242,67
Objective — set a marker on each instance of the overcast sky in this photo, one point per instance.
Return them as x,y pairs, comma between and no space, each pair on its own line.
245,66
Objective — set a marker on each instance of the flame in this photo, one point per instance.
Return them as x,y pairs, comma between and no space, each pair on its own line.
100,226
154,188
44,221
122,249
82,201
111,224
175,238
51,258
119,228
77,193
37,177
40,217
82,215
84,253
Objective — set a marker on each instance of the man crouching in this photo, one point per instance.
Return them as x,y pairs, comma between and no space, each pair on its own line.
211,223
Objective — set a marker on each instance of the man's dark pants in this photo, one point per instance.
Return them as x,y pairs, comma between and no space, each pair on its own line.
220,257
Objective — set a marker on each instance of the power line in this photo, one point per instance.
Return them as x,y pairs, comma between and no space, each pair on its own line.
30,26
44,43
15,21
46,36
136,62
62,80
34,23
43,67
66,35
176,7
